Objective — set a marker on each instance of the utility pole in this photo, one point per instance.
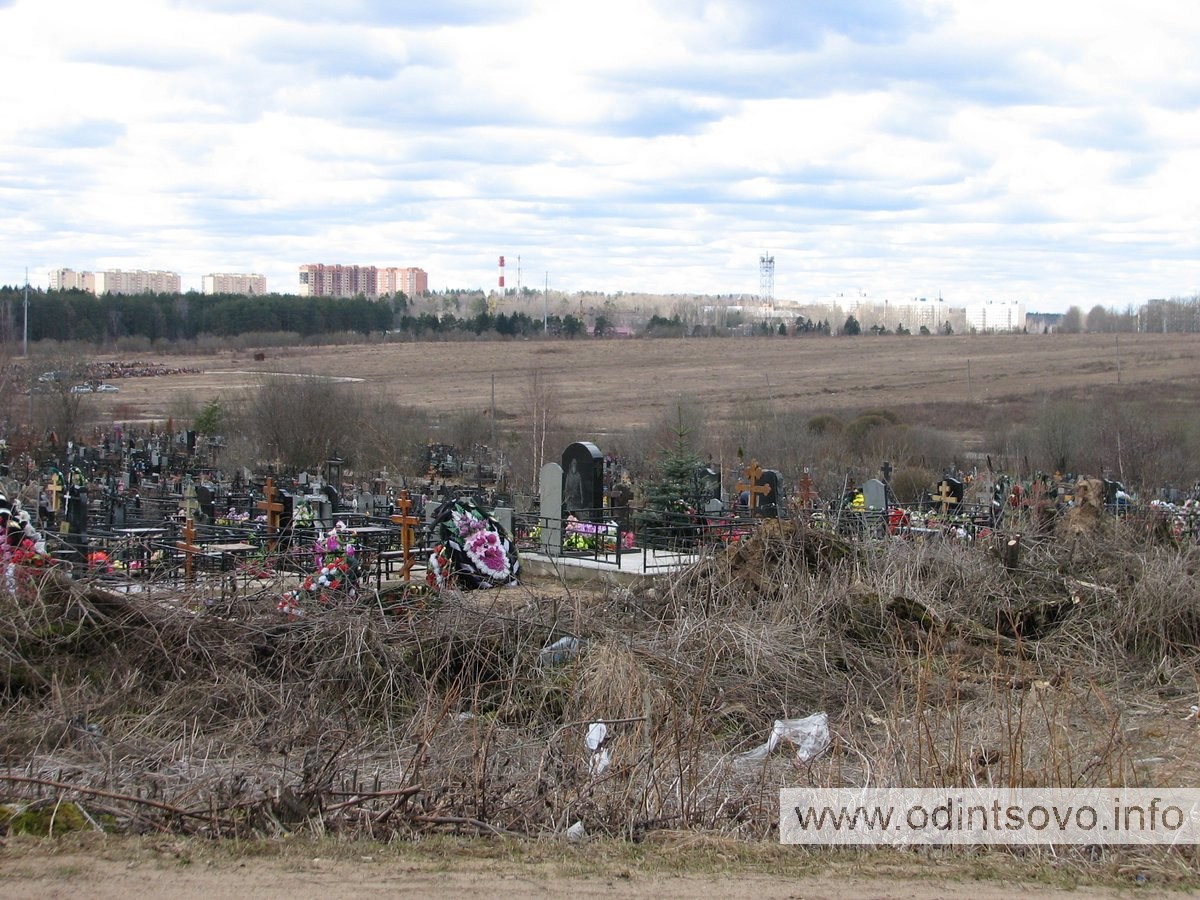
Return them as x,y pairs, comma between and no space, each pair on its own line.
25,336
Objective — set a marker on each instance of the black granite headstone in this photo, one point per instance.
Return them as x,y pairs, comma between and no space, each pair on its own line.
583,481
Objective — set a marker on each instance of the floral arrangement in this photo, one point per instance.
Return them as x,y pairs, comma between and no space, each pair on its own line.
336,577
472,550
594,536
302,515
22,548
586,536
233,517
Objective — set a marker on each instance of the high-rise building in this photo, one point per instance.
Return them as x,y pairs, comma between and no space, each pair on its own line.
116,281
70,280
247,285
319,280
411,281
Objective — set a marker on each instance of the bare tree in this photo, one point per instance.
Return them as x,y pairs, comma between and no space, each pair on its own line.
539,425
300,421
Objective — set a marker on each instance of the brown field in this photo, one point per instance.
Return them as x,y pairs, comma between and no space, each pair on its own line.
615,385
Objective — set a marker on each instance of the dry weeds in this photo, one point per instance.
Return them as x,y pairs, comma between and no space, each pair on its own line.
938,666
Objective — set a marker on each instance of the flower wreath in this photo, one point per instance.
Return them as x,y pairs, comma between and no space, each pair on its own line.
336,576
472,550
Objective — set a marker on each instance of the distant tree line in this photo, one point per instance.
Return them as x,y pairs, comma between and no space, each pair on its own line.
76,315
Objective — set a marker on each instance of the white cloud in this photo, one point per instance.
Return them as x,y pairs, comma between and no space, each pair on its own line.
1021,150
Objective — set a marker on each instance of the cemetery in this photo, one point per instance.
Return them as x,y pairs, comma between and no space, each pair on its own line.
191,645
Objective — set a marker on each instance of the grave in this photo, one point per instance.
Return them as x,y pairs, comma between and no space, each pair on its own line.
619,499
707,485
875,494
753,491
583,482
550,519
949,494
407,522
769,507
807,495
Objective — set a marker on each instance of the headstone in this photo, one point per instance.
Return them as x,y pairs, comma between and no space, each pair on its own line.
335,500
583,481
707,484
366,503
504,516
949,494
77,503
982,489
875,493
206,500
769,506
117,512
550,520
714,508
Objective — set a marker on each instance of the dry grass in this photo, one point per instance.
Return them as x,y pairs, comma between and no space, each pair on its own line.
936,664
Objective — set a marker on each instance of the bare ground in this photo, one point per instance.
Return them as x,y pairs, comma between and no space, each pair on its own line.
115,869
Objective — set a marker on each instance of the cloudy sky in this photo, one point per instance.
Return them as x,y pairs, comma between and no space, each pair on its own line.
1045,151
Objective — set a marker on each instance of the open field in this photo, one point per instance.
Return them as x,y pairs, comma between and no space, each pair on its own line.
613,385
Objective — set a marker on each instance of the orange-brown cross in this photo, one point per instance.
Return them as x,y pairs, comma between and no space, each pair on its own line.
274,510
407,522
188,546
753,473
946,495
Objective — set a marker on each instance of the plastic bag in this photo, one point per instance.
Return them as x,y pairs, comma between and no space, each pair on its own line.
810,737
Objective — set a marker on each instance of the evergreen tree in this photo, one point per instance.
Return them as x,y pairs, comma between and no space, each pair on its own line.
669,518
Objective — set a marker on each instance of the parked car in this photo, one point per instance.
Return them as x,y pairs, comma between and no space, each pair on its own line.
107,389
81,389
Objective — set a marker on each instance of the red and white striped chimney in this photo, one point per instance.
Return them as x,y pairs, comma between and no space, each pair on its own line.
502,274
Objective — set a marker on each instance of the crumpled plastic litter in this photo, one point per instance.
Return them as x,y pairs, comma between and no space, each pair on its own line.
600,757
576,833
810,737
560,651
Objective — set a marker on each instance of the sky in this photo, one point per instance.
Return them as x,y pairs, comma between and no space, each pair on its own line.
1047,152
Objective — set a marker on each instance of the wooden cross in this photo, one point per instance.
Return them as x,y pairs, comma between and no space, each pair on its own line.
188,546
55,489
808,492
406,521
753,472
272,507
946,495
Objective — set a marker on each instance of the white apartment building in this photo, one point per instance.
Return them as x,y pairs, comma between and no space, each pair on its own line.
246,285
116,281
996,315
70,280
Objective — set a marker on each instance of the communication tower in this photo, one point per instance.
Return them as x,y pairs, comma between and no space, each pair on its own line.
766,279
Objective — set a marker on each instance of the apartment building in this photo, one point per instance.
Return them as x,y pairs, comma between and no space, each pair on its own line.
319,280
246,285
116,281
410,281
